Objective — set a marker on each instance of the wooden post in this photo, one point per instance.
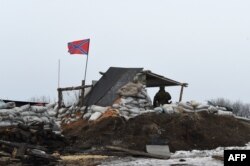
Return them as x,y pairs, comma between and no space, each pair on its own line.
82,93
59,98
181,93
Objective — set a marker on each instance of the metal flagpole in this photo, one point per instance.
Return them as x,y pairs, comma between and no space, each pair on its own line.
59,73
85,75
86,65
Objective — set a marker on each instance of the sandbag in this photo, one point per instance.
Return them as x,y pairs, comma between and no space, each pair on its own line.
2,102
228,113
28,113
45,120
126,117
146,111
38,109
4,112
158,109
5,123
168,108
186,110
134,110
142,109
56,107
82,109
124,113
95,116
62,110
130,106
30,120
194,104
100,109
212,109
202,106
185,105
24,108
123,109
87,115
50,105
133,115
8,105
127,100
51,113
202,110
130,89
116,106
142,101
141,95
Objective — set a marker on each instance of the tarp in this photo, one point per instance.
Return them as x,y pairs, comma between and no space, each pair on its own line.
105,90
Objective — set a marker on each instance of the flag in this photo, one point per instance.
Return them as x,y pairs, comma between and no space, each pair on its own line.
79,47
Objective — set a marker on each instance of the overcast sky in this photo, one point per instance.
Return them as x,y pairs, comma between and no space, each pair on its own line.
205,43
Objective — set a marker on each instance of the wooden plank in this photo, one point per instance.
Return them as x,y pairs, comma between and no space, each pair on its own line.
74,88
137,153
181,93
60,98
82,93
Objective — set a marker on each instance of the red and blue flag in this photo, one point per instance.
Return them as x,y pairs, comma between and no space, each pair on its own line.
79,47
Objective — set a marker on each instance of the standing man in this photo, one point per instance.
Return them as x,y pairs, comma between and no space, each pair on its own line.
162,97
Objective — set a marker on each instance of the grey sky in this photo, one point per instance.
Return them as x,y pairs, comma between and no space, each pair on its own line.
203,43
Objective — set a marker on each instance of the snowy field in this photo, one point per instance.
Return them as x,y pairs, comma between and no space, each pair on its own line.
191,158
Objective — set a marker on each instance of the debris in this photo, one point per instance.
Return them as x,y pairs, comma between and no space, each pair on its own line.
25,153
137,153
162,150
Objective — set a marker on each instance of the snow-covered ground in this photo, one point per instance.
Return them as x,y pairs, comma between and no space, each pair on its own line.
194,158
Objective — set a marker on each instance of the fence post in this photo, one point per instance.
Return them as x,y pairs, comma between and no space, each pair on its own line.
82,93
59,98
181,93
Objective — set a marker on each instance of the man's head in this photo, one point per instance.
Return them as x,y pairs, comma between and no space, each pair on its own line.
162,88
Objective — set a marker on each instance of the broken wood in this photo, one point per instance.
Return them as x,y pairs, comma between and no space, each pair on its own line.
136,153
22,145
74,88
60,90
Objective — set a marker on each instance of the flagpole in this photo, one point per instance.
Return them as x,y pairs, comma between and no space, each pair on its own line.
59,67
85,76
86,65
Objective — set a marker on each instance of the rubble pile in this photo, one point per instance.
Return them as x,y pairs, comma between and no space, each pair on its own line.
28,134
13,153
29,124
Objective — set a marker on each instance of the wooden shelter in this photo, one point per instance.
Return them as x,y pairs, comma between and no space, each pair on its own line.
105,90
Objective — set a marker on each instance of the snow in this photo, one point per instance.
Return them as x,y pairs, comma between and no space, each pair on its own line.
194,158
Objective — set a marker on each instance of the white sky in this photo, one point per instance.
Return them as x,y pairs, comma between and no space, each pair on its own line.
205,43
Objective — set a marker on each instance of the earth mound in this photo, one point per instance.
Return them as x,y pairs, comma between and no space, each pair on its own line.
185,131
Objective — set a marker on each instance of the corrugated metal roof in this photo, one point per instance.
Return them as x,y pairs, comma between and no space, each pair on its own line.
155,80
